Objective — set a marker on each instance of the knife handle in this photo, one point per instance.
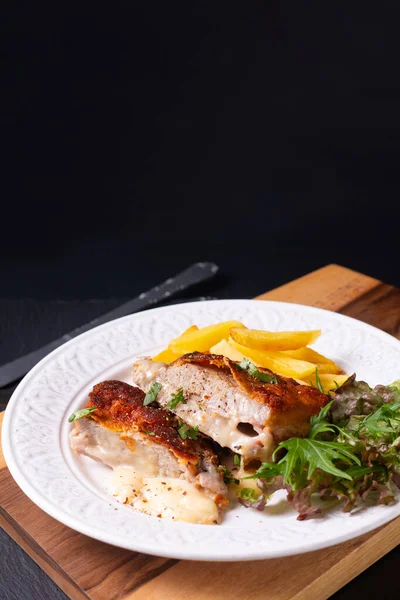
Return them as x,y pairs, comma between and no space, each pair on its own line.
197,273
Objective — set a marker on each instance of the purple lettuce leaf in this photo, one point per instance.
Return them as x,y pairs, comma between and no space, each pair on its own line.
358,398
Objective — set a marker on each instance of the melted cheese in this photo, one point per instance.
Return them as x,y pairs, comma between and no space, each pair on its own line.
164,497
225,432
242,474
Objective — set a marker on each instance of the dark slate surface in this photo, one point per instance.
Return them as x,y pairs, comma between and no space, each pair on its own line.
21,578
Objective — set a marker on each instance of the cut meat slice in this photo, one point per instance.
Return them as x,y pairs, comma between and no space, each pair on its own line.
156,470
233,408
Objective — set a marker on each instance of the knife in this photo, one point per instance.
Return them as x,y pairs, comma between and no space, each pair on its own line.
196,273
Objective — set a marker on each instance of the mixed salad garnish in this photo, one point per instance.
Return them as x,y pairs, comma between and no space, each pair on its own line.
352,454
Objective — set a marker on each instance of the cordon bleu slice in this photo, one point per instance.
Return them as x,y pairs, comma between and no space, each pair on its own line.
155,470
233,408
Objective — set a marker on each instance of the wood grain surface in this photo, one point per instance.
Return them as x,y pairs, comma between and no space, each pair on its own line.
87,569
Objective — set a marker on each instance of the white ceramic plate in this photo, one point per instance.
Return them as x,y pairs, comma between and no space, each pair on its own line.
71,488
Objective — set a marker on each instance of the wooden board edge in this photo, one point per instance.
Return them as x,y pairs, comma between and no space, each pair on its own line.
2,461
357,555
339,286
357,561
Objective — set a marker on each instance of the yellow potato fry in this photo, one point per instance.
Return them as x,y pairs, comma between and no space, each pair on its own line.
187,331
226,349
202,339
278,362
259,339
328,380
326,368
166,356
190,329
311,355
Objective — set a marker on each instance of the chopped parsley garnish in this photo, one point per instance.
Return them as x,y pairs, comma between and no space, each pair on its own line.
236,460
247,494
175,400
149,432
188,432
247,366
83,412
228,477
152,394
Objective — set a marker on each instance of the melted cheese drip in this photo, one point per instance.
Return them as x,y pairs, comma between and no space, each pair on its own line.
164,497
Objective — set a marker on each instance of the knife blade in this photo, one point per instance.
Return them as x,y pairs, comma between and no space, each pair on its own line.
196,273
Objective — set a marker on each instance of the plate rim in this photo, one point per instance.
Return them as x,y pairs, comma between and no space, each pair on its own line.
78,525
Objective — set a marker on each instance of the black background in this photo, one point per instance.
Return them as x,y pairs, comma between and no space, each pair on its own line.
139,137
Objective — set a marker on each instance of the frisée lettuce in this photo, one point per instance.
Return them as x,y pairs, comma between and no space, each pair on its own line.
351,453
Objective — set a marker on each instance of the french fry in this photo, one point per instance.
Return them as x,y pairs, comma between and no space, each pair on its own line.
299,363
202,339
226,349
189,330
258,339
326,368
167,355
328,380
312,356
278,362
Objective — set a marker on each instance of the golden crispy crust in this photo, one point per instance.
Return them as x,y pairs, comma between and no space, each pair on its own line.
120,408
291,403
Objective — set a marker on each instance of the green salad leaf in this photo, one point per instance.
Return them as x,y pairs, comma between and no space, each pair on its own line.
318,381
320,423
351,453
303,457
383,423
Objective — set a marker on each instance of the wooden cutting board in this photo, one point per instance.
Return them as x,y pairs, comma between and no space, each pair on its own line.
87,569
